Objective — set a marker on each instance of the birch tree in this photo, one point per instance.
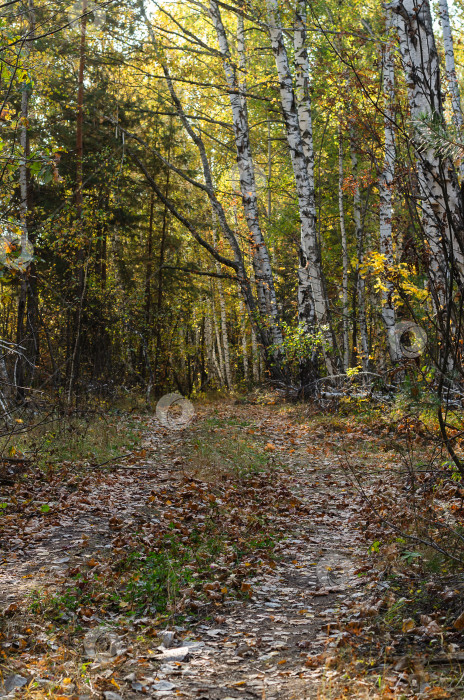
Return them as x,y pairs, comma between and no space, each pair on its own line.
312,298
345,259
359,237
386,192
439,200
264,278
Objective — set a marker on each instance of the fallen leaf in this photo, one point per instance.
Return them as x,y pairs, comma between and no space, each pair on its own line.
408,625
459,622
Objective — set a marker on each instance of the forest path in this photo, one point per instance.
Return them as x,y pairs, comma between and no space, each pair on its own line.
261,646
250,645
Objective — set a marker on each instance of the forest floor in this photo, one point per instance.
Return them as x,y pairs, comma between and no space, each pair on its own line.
235,558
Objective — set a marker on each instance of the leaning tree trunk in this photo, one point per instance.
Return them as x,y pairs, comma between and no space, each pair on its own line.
453,84
264,277
385,192
221,363
312,298
439,200
223,313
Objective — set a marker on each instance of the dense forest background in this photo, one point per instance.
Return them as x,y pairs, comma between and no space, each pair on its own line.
197,196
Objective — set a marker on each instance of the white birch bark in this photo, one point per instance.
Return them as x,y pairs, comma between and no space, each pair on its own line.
440,197
302,94
455,94
255,356
264,278
209,345
385,195
216,206
269,172
225,335
220,355
244,342
359,236
312,300
223,314
345,261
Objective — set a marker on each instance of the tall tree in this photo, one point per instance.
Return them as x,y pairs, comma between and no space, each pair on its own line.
264,278
312,295
386,192
439,199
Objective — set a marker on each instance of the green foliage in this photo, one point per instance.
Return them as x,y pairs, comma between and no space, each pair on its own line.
157,580
299,345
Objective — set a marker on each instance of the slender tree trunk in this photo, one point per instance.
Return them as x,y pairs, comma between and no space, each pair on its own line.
345,260
255,356
244,343
225,336
149,265
385,193
27,321
264,278
80,132
237,263
209,342
269,169
312,299
359,236
221,364
223,314
82,268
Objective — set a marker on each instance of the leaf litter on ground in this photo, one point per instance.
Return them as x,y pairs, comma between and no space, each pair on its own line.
198,572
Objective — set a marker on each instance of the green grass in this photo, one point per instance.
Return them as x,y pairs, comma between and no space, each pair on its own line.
94,439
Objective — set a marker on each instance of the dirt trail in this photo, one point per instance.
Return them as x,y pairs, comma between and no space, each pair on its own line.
260,649
254,648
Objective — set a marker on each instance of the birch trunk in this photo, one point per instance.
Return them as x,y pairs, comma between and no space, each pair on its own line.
341,208
221,364
303,97
222,310
244,343
440,198
453,84
385,193
255,356
238,262
267,301
269,170
225,335
359,236
209,344
312,300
